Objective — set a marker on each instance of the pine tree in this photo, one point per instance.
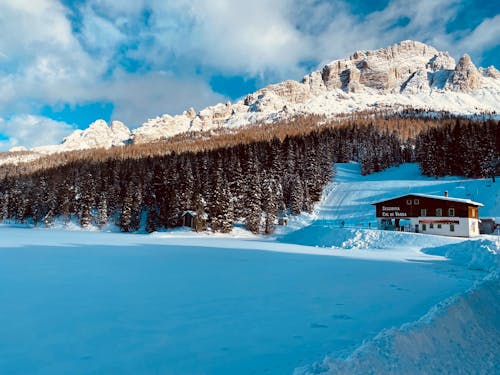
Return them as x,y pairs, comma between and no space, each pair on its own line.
220,207
253,209
272,195
125,219
296,196
85,214
199,219
102,211
151,207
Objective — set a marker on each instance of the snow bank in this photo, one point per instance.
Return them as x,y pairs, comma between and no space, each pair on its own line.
460,335
352,238
479,254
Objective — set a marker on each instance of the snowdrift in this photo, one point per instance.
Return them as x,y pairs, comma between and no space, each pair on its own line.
460,335
480,254
353,238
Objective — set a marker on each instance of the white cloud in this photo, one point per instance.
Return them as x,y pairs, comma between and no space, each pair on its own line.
138,98
484,36
254,37
31,131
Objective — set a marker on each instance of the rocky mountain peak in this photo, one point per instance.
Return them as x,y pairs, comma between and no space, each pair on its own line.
98,134
490,72
466,76
386,69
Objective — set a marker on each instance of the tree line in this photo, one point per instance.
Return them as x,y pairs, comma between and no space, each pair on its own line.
254,183
253,180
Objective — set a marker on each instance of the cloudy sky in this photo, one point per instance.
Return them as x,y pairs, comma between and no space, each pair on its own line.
65,63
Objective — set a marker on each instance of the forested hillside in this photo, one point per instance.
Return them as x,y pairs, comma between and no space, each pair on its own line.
465,148
249,177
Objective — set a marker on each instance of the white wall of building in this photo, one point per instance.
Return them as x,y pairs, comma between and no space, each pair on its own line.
466,227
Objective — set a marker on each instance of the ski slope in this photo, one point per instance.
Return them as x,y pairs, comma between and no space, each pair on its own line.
349,197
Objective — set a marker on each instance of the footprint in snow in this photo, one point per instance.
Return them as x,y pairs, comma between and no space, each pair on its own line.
398,288
341,317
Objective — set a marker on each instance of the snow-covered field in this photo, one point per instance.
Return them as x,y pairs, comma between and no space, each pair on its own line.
77,302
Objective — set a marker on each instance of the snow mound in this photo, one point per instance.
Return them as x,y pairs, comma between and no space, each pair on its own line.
480,254
354,238
460,335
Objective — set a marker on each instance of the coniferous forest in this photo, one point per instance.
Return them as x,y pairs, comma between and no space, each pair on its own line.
253,182
464,148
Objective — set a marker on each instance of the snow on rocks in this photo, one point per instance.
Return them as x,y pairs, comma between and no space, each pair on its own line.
466,76
97,135
406,75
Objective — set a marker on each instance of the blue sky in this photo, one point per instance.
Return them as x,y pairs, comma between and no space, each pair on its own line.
66,63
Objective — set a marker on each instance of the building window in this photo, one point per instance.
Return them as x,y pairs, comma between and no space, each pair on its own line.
439,226
431,225
423,212
451,212
416,202
424,226
452,227
408,202
439,212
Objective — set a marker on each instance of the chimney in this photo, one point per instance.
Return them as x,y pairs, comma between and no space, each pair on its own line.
446,193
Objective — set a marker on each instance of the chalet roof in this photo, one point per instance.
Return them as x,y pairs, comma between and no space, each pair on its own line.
194,214
438,197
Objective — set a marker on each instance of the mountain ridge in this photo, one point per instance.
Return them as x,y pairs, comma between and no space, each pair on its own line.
406,75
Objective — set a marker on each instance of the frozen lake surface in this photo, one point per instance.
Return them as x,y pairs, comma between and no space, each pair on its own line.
103,303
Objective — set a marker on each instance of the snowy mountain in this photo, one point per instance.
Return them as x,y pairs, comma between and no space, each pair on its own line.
403,76
97,135
406,75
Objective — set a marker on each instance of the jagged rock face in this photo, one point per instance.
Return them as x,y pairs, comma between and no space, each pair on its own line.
441,61
466,77
278,97
490,72
98,134
417,83
190,113
385,70
291,91
120,133
162,127
315,83
168,126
